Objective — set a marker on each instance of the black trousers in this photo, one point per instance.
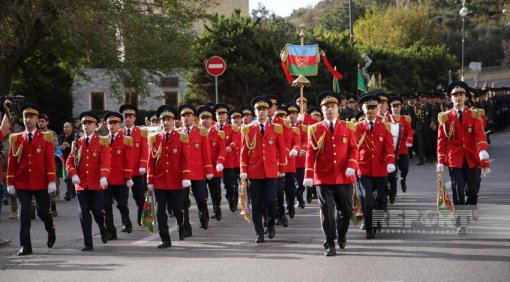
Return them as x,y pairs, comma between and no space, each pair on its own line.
230,177
199,189
214,185
300,176
373,194
280,190
424,138
465,182
290,191
402,165
335,200
138,191
91,201
263,198
168,200
42,199
70,188
121,194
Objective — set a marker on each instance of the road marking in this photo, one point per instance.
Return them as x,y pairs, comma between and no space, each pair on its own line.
152,237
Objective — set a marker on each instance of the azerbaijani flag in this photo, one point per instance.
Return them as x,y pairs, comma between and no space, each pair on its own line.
303,59
147,213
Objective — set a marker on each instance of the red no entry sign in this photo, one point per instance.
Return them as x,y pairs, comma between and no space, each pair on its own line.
215,66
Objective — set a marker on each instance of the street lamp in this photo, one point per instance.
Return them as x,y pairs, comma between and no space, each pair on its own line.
463,13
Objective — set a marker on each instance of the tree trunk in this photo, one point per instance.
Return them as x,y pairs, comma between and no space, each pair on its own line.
5,80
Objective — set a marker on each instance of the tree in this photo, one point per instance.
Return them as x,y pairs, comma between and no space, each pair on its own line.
146,35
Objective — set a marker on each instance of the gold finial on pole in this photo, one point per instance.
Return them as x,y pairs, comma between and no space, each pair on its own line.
301,81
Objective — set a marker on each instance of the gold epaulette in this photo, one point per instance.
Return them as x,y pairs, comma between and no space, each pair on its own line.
245,129
388,126
409,119
286,122
475,113
144,132
396,118
482,112
104,140
296,130
304,128
48,136
278,129
235,127
128,141
221,133
350,125
442,117
204,132
184,137
312,128
13,137
152,140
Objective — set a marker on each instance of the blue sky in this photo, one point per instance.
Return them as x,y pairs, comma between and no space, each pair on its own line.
283,7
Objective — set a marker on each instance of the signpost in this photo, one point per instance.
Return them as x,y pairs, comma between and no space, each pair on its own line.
215,66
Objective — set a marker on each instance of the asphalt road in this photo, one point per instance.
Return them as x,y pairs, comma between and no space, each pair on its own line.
419,250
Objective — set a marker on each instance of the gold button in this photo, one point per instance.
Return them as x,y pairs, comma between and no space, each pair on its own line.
29,170
29,155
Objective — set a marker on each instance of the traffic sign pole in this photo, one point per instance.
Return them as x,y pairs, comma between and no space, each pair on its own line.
215,66
216,87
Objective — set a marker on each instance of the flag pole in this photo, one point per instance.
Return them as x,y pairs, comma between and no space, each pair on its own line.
357,83
301,87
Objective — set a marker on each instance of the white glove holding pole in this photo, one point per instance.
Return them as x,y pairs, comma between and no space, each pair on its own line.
209,176
281,174
186,183
293,153
75,179
308,182
142,170
103,182
129,183
390,168
243,175
300,117
11,190
440,167
483,155
409,145
150,187
219,167
52,187
349,172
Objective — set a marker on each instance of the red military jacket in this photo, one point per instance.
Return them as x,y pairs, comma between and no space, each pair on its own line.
140,151
217,147
232,140
94,162
292,137
122,158
375,148
263,156
329,155
456,141
168,164
31,166
198,153
406,136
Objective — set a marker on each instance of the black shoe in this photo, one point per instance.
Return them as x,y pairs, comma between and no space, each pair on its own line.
5,201
32,212
420,163
165,245
54,211
187,230
87,248
392,199
105,236
271,232
23,251
285,221
127,228
403,185
68,198
260,239
371,234
204,219
277,221
330,251
362,226
113,236
309,195
341,243
292,211
73,196
232,205
124,229
182,232
301,203
461,230
51,238
217,213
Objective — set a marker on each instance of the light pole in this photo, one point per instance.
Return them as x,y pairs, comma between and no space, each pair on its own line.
463,13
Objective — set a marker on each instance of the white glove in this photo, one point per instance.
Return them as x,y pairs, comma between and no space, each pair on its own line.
150,187
186,183
219,167
243,175
209,176
300,117
349,172
483,155
52,187
103,182
302,153
440,167
486,171
390,168
293,153
11,190
229,149
75,179
409,145
142,170
281,174
129,183
308,182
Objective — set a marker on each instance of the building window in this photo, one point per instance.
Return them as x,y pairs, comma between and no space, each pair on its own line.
171,98
97,101
131,98
169,82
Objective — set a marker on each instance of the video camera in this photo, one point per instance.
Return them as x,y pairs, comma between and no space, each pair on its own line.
15,103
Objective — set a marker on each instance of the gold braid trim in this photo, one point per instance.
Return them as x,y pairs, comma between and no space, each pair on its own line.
16,153
104,141
48,136
235,127
144,132
317,145
396,118
296,130
156,154
128,141
221,133
184,137
251,145
204,132
278,129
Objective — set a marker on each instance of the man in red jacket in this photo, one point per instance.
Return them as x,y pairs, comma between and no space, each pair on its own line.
301,157
168,173
120,179
139,156
198,157
31,173
376,160
331,163
88,166
263,160
462,147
